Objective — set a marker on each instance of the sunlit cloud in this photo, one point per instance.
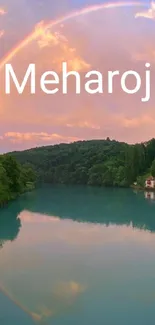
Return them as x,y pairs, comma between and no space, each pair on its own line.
150,13
17,137
83,124
64,52
90,38
43,26
2,11
46,38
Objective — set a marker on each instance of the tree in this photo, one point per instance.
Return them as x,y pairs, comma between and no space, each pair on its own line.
153,168
12,169
95,162
27,175
14,178
4,186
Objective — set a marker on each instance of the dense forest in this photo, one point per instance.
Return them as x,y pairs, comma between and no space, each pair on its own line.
96,162
14,178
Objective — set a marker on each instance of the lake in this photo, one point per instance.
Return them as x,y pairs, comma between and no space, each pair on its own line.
78,255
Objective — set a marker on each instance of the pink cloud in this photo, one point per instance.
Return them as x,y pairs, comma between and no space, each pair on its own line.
103,41
18,137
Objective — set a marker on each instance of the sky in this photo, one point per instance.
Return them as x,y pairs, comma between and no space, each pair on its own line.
118,37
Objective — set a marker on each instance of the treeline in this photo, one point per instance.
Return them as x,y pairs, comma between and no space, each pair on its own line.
14,178
97,162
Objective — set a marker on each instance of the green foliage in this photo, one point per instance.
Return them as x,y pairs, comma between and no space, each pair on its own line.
4,185
14,178
27,176
12,169
153,168
141,181
97,162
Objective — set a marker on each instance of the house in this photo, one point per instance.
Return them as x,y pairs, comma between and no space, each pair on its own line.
150,182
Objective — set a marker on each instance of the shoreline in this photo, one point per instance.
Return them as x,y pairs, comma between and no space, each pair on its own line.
15,196
140,188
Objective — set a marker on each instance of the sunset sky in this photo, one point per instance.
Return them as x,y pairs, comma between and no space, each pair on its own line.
115,37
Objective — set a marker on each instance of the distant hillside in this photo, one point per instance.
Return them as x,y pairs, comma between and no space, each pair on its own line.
96,162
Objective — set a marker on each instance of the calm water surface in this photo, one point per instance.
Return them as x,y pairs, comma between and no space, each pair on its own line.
78,255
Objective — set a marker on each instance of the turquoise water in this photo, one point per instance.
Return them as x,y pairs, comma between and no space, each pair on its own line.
78,255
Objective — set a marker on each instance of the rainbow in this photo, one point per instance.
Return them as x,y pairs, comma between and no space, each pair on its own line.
42,27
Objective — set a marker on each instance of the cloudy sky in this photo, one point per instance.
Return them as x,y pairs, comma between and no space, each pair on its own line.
115,37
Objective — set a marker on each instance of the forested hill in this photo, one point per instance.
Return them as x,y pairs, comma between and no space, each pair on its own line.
97,162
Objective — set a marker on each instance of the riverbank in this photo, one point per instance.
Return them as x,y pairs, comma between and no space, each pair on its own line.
141,188
30,187
15,179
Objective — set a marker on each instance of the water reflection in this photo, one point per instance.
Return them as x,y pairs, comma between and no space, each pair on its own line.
32,270
82,204
94,205
9,224
150,195
55,264
76,247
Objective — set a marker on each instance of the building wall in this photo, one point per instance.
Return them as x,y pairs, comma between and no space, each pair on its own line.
151,185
